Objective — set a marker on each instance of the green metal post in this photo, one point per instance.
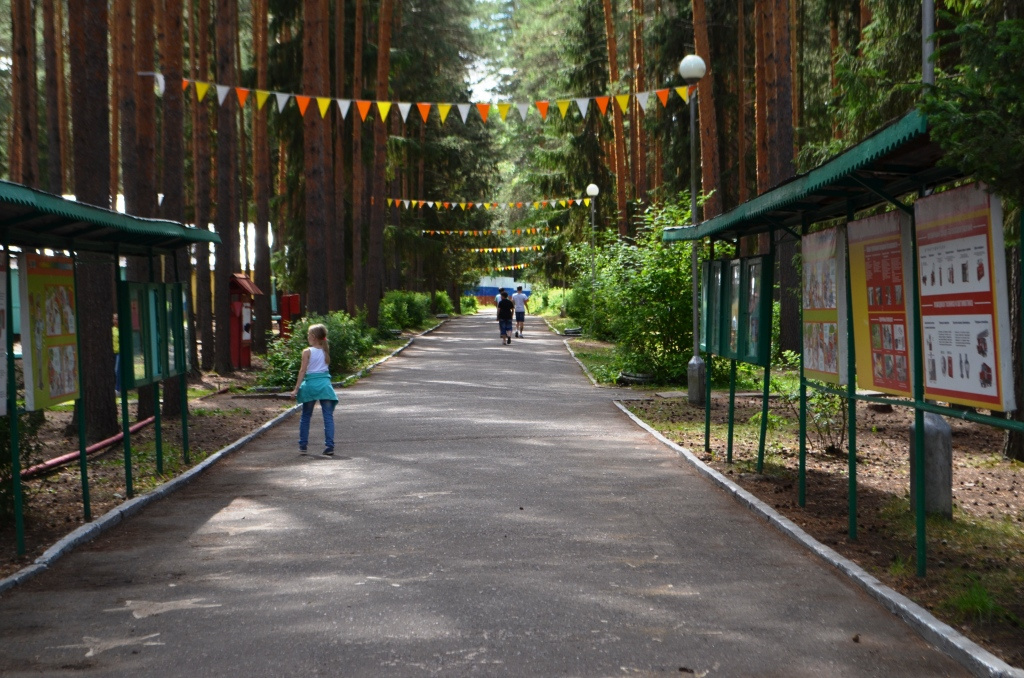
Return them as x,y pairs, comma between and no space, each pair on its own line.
802,485
184,419
732,408
12,414
769,284
157,360
157,432
918,451
127,363
83,461
708,363
851,400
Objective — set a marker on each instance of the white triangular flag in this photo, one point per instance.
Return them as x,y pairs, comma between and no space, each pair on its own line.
343,106
282,100
583,103
404,110
222,92
406,204
463,111
642,98
430,204
523,110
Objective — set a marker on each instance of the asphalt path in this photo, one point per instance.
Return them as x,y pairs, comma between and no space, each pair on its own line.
489,512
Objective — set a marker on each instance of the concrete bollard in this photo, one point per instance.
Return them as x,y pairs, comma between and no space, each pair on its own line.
938,466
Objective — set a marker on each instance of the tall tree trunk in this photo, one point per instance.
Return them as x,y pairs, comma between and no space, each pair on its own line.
642,183
94,275
358,171
261,186
173,205
242,204
62,103
710,173
116,86
227,193
52,43
337,276
125,85
26,93
762,23
203,206
741,95
621,175
314,79
782,133
375,262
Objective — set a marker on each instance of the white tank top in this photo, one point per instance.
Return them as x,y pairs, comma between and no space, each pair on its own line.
316,361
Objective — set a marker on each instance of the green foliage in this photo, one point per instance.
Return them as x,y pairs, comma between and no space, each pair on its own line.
442,303
977,111
468,305
640,297
400,310
350,338
974,602
826,412
28,448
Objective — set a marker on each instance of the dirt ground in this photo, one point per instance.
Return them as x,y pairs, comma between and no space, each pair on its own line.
53,502
983,544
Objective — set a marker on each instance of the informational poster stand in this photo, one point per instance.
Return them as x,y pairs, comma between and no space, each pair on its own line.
824,306
3,335
49,330
964,308
880,270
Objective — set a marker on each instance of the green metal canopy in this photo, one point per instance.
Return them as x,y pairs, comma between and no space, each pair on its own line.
894,161
32,218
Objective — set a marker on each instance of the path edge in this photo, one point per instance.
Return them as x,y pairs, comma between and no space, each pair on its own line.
91,530
963,650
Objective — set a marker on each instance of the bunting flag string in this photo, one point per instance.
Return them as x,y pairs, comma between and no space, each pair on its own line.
466,110
452,205
525,248
516,267
500,231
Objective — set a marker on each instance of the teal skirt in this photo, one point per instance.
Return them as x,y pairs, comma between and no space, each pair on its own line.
316,386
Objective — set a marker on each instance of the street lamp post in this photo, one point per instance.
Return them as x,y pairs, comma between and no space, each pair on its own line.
592,191
692,69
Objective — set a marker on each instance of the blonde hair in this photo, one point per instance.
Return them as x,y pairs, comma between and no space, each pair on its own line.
319,333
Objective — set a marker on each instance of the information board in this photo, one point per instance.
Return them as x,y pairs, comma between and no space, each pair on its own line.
880,269
3,335
757,340
964,298
49,325
144,352
824,306
734,309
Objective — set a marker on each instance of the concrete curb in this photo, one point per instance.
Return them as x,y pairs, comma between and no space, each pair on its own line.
963,650
89,531
579,362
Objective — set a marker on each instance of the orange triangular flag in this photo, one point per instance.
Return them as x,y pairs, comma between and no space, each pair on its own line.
261,98
384,107
503,110
201,89
623,101
683,94
303,102
446,204
519,205
563,106
444,109
485,110
602,104
662,96
243,94
571,201
424,111
323,103
184,84
364,108
542,107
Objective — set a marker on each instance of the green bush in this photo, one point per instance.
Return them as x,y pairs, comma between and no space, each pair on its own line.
401,310
468,305
350,339
442,303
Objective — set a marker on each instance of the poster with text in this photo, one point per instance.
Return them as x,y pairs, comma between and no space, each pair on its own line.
824,306
880,267
49,327
964,299
3,335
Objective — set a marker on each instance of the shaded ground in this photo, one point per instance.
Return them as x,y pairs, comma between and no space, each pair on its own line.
53,502
975,575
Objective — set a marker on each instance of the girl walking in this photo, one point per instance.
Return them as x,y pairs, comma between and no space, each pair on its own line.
313,384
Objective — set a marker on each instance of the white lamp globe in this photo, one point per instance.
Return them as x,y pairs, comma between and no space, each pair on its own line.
692,68
593,190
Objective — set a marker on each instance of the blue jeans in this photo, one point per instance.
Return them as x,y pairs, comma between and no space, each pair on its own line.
506,327
327,408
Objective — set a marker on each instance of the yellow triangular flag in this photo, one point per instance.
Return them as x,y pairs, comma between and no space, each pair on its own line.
586,201
390,200
261,98
503,110
683,94
623,101
323,103
444,109
201,89
384,107
563,106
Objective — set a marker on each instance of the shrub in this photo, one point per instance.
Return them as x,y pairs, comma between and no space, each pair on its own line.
468,305
442,303
350,339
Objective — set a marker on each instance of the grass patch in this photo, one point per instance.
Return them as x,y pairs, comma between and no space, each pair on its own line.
600,359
